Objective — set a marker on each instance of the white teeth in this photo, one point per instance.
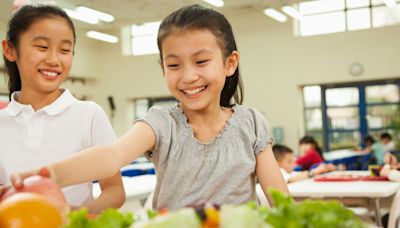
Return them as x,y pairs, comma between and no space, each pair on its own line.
194,91
49,73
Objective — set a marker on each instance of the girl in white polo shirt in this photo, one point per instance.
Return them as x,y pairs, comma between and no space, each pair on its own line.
44,123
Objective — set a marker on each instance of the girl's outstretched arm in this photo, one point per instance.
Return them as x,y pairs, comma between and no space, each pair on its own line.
98,162
268,173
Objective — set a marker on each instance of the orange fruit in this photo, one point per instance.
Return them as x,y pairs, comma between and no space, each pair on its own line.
29,210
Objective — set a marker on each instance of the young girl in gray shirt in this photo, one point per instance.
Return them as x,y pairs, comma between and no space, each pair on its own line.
206,149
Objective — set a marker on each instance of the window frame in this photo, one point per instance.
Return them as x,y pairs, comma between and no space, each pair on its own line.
363,128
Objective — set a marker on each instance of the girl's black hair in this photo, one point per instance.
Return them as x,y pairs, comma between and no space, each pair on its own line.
369,140
310,140
280,151
196,17
20,23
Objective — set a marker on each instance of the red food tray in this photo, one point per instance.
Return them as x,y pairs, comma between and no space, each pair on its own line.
353,178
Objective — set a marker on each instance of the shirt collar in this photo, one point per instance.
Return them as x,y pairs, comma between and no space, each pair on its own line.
66,99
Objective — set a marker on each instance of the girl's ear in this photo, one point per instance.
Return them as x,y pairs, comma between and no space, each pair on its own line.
232,62
8,51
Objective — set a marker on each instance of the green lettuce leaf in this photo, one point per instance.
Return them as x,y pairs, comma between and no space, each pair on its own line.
110,218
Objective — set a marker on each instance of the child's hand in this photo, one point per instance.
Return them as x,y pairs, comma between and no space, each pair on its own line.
322,168
17,180
331,167
385,171
390,159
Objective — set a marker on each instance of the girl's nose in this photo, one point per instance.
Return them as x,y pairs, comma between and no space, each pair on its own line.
52,58
189,75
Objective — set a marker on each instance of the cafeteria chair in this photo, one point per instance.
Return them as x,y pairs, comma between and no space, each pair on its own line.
394,214
148,204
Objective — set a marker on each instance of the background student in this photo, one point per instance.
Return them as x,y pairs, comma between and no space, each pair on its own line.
310,153
284,157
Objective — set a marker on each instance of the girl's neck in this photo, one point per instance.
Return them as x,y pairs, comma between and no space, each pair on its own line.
207,117
207,124
36,99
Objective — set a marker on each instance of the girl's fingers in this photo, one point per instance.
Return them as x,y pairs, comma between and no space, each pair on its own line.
45,172
3,189
18,179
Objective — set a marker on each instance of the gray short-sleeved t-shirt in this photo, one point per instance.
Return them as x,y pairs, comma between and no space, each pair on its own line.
193,173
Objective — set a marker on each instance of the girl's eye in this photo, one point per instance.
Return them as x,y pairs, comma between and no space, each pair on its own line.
42,47
65,51
172,65
202,61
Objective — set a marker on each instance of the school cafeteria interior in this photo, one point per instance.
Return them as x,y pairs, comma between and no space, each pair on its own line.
325,69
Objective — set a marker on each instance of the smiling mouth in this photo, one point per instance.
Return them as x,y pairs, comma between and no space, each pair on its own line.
193,92
49,74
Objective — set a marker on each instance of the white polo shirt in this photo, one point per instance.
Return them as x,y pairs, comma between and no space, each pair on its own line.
30,140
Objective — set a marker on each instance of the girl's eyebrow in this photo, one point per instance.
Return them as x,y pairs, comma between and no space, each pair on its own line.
47,39
202,51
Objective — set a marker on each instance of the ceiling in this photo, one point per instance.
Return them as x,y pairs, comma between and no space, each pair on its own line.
139,11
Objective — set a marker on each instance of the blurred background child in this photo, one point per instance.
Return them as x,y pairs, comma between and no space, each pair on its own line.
311,153
376,149
387,142
284,157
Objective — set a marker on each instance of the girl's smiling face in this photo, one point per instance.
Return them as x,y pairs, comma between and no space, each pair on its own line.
44,55
195,68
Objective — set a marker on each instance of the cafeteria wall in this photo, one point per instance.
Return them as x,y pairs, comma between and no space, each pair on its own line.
274,64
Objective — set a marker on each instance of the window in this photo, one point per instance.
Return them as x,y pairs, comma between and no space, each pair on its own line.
142,105
330,16
3,100
341,115
140,39
313,114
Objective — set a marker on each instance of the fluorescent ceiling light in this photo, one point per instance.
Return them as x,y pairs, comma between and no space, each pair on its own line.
102,36
291,11
275,14
217,3
81,17
390,3
95,14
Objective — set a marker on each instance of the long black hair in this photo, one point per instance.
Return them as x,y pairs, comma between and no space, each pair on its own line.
20,23
196,17
310,140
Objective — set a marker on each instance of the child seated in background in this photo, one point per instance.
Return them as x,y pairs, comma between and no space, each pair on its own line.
387,142
311,153
375,148
284,157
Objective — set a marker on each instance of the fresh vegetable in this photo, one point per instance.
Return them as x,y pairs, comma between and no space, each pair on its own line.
240,217
184,218
109,218
285,214
308,214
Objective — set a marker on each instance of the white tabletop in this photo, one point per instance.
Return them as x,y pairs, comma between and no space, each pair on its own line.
137,187
337,189
340,154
